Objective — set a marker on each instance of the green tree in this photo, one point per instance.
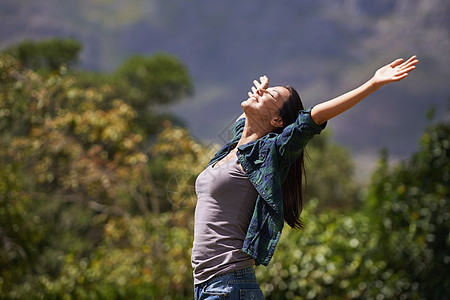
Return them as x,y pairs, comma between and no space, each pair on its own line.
46,55
21,231
150,82
395,248
80,213
330,171
144,82
67,167
160,79
330,259
411,207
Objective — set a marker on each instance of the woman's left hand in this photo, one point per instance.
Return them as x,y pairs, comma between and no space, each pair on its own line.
395,71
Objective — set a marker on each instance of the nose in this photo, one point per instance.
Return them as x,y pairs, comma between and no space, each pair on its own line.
258,91
262,91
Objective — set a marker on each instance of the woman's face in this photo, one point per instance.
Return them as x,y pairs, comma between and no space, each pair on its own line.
267,103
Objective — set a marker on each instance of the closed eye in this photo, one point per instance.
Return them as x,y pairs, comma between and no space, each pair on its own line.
273,93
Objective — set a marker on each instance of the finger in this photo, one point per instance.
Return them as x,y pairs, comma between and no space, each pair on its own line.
249,94
396,62
264,81
400,77
409,69
411,61
254,90
404,69
256,83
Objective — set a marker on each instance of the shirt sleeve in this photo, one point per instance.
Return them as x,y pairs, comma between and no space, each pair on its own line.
294,137
238,127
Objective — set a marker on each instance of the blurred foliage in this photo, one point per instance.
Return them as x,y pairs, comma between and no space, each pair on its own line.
158,79
47,54
144,83
93,208
330,259
176,160
72,165
397,247
413,213
329,171
149,82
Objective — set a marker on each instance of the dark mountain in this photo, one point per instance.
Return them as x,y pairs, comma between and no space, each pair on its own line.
322,47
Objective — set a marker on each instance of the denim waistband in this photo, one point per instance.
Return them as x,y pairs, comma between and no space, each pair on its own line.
243,271
238,273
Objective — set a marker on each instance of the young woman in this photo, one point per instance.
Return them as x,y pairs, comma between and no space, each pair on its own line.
254,183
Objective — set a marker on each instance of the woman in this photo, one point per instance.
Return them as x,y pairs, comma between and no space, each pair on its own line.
253,184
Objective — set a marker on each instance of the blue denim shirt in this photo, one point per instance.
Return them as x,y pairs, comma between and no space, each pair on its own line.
266,162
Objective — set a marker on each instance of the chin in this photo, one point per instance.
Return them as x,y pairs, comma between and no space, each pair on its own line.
248,108
245,103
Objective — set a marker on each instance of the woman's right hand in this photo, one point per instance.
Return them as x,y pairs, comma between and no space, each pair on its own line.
259,86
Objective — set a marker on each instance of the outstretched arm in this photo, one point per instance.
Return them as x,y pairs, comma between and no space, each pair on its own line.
395,71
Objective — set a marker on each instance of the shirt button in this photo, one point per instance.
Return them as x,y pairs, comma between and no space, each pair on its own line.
274,206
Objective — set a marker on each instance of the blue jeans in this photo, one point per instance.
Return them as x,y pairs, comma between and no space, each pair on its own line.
240,284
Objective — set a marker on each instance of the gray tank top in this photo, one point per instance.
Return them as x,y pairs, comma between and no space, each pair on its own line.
226,200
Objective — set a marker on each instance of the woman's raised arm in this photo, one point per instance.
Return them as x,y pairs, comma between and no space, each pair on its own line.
395,71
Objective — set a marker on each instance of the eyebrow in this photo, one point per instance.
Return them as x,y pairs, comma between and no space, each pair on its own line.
277,94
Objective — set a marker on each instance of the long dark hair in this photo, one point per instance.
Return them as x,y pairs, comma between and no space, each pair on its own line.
292,187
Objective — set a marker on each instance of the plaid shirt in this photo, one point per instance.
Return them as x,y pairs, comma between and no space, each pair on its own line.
266,162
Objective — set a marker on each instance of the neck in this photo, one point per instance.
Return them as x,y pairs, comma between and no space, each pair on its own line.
253,131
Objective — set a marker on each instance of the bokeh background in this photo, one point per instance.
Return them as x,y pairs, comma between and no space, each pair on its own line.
109,109
323,48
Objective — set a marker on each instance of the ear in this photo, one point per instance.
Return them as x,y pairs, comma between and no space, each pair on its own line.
277,122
